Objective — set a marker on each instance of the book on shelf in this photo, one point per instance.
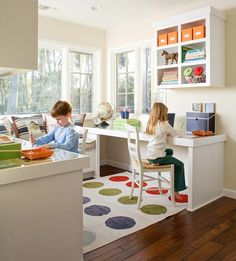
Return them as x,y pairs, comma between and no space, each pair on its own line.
195,54
193,60
169,77
184,51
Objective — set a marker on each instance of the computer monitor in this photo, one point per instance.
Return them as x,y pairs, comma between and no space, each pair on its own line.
171,119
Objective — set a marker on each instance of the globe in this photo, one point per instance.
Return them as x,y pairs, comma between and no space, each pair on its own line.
105,112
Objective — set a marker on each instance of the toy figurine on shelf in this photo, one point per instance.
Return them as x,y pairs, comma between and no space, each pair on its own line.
170,56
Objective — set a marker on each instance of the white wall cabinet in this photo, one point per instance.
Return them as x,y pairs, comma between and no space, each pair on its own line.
206,52
19,35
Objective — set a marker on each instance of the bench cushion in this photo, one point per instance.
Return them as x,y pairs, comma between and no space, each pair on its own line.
23,126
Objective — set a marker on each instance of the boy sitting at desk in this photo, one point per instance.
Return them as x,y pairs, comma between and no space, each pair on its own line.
62,136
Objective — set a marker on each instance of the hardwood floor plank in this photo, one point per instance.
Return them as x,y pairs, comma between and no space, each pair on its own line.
178,254
205,251
231,256
227,236
211,234
227,250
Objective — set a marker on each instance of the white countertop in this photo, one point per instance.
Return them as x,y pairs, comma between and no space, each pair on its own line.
61,161
186,140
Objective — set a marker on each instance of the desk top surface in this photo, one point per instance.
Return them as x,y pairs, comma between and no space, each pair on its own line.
61,161
186,140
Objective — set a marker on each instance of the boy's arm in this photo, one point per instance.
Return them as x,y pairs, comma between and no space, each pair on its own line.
46,138
72,138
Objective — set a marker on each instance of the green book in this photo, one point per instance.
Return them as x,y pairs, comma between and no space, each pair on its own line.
10,150
8,163
120,123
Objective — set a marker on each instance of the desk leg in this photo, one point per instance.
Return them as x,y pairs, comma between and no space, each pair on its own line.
205,173
97,157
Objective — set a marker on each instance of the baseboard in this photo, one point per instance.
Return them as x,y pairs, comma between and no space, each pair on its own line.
229,193
103,162
116,164
205,203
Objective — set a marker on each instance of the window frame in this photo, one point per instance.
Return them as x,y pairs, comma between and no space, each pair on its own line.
139,75
126,93
65,48
112,75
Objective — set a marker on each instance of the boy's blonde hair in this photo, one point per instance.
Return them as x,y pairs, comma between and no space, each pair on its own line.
61,108
158,113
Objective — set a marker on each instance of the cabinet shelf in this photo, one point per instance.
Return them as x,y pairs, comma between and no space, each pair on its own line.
164,47
169,66
183,86
192,63
202,40
207,51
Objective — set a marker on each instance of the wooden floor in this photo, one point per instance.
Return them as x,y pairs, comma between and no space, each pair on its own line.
206,234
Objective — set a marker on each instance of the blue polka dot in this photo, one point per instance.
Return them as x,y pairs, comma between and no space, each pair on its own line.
86,200
97,210
120,222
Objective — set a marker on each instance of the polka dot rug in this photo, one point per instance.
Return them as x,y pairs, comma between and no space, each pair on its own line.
109,212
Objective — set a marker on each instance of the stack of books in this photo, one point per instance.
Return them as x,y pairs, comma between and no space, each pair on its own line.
121,123
170,77
9,149
196,54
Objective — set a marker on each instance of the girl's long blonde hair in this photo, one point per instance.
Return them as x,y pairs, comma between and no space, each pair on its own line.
158,113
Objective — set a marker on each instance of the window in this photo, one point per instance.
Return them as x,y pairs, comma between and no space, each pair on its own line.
125,70
34,91
132,78
64,72
81,79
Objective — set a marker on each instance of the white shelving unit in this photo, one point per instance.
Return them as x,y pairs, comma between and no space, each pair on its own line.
213,43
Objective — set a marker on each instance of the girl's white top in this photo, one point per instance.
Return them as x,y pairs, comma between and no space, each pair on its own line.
157,143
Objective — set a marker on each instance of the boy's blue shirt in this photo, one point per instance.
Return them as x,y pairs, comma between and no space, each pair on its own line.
65,138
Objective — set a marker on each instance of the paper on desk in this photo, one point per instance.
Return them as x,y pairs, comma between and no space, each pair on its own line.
33,128
187,136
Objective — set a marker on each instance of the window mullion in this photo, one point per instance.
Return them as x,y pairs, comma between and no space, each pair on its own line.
66,83
126,89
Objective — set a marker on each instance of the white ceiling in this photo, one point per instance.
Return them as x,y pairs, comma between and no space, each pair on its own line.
116,13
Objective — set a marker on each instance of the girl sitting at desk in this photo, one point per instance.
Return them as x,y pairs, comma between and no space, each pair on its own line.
158,128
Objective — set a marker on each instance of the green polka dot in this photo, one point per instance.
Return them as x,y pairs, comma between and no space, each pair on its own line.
110,192
128,201
153,209
93,184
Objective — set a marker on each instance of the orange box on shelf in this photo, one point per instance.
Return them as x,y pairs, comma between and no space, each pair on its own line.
187,34
172,37
198,32
162,39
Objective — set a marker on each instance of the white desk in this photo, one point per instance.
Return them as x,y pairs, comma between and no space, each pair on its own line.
41,209
203,158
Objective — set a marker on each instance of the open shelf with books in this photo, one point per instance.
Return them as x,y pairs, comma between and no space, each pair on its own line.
189,50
